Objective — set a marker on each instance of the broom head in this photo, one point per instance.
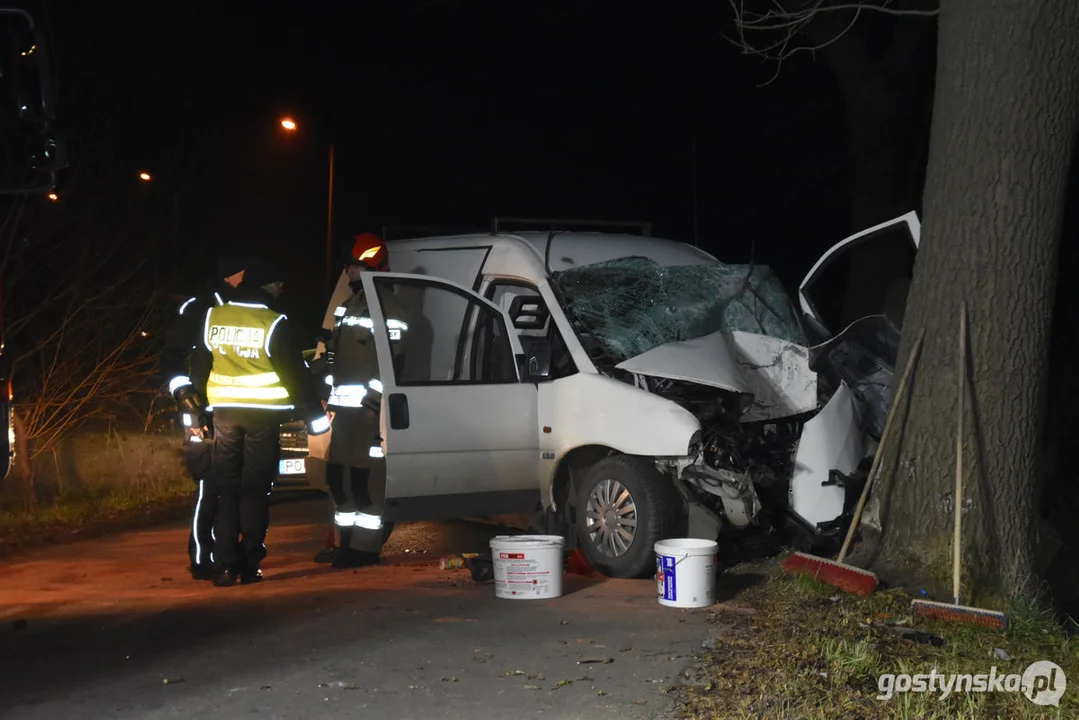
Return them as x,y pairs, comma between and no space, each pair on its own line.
845,577
959,614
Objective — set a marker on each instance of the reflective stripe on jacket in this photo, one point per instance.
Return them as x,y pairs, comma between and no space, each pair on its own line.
355,363
243,375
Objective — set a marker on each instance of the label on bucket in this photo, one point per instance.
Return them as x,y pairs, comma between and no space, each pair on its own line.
666,577
520,574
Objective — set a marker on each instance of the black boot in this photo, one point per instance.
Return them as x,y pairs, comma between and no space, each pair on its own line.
328,555
225,578
202,571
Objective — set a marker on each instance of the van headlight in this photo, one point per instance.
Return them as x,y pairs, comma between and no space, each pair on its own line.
694,445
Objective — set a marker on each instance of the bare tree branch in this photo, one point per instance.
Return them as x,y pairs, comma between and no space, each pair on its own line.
777,30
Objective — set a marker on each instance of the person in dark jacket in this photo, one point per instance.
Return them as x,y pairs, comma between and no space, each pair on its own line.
181,340
255,379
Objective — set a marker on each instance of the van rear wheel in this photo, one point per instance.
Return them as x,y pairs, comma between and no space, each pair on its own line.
624,506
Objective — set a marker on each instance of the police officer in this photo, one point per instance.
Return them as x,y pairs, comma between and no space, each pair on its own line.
355,469
180,342
255,379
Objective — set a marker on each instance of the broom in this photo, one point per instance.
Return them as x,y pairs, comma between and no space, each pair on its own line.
954,611
834,572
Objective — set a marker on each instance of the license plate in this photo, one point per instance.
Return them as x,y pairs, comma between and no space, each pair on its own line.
292,466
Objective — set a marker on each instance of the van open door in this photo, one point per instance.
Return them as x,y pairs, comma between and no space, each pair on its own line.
460,429
867,273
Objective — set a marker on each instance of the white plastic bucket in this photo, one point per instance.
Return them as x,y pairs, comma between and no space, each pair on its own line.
686,572
527,567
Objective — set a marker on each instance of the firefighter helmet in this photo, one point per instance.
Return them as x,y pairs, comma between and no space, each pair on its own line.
369,250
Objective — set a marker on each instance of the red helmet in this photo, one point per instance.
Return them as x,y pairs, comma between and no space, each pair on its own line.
369,250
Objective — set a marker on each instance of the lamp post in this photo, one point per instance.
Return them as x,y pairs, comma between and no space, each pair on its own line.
290,125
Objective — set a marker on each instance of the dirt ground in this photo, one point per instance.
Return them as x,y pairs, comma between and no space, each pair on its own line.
115,627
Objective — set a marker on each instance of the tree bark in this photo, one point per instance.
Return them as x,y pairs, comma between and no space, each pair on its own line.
1004,120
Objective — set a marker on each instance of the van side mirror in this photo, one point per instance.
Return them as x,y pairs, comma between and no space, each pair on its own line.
539,361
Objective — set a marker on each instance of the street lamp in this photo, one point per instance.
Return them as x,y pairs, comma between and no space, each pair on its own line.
290,126
144,176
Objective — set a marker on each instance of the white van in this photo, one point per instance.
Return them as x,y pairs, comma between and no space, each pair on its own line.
630,388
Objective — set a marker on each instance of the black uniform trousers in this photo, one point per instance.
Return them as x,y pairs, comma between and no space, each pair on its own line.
200,543
247,449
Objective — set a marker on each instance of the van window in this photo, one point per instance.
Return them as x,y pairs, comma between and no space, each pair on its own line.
435,336
533,323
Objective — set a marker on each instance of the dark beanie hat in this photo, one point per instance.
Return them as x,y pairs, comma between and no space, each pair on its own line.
259,271
229,264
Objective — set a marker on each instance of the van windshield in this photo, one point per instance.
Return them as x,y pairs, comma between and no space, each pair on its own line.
632,305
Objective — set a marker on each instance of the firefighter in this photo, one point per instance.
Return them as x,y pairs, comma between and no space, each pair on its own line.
255,378
355,468
180,343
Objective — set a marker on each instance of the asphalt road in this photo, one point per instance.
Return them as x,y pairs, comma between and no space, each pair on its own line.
115,628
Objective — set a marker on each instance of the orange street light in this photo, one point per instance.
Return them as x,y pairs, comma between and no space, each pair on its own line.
145,176
53,196
288,123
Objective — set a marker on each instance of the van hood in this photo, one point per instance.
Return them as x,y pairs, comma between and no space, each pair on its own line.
774,371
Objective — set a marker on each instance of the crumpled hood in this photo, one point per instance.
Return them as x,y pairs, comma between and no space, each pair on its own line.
775,371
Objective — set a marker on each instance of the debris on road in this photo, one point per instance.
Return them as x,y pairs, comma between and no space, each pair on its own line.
592,661
481,565
171,681
456,562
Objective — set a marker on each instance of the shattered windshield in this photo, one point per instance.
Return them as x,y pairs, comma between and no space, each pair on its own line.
631,305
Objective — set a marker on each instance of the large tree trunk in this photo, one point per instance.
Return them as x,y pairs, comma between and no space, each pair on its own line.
1004,122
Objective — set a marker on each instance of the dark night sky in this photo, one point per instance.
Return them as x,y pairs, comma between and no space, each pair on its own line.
452,112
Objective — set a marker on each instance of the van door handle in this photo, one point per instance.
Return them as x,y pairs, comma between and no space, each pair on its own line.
398,411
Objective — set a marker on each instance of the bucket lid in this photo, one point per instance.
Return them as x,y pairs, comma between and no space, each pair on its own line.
530,540
689,545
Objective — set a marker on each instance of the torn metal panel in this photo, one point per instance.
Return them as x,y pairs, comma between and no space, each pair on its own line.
831,440
706,360
863,356
774,371
777,373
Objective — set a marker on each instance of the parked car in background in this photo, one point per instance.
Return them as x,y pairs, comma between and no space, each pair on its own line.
291,474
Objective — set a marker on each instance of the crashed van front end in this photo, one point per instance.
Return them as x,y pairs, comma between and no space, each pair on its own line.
788,420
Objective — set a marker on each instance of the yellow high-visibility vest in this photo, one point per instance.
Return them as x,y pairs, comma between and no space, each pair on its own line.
238,335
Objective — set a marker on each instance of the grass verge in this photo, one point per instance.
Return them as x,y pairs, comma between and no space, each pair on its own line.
793,647
95,511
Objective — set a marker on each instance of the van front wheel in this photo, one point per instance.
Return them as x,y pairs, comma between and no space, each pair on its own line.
624,506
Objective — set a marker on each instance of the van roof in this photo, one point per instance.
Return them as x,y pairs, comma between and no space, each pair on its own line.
568,249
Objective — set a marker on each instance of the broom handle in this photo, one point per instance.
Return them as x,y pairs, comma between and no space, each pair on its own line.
959,452
880,446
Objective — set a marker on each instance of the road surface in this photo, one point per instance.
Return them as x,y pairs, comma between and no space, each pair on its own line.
115,628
